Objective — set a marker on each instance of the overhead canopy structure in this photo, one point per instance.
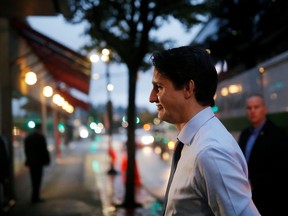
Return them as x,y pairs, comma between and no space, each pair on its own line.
63,64
72,100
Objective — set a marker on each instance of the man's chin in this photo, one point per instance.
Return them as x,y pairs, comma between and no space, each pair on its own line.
160,115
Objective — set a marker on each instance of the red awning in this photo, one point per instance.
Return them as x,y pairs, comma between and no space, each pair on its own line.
64,64
72,100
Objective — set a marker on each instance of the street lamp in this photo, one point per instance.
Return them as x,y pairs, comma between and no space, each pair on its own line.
30,78
105,57
261,72
47,92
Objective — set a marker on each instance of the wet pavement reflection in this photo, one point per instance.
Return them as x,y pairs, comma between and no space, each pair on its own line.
77,183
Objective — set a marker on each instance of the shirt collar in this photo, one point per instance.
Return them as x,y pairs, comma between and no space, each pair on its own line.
188,132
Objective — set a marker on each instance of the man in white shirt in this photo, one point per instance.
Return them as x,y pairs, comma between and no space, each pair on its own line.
211,176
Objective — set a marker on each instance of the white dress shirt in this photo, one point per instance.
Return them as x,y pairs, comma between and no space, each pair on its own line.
212,176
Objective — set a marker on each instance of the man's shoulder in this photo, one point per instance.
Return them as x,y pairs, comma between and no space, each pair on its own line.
272,125
272,128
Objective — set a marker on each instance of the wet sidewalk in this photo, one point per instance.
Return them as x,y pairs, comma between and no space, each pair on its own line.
78,184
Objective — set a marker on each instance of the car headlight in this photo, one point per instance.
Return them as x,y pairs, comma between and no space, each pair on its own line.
147,139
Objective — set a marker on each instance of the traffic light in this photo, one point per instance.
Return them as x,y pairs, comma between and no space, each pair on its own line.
31,124
61,127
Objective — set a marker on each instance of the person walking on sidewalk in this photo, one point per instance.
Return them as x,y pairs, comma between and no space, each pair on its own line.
265,146
212,175
37,156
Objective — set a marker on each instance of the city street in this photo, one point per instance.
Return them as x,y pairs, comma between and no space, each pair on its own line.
77,183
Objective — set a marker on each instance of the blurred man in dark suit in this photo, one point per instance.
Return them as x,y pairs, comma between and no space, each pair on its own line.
37,156
265,147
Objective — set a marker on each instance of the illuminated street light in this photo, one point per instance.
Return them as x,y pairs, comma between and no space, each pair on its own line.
261,72
106,52
47,91
94,58
58,100
30,78
110,87
105,57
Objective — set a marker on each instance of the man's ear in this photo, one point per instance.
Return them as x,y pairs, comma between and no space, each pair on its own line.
189,89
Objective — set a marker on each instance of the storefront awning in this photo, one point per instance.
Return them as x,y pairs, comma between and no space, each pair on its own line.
64,64
72,100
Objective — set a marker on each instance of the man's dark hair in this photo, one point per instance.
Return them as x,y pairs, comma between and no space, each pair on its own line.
182,64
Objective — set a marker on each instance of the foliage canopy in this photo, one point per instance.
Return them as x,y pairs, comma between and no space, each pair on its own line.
248,32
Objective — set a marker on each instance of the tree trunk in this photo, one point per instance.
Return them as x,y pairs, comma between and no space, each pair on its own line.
129,201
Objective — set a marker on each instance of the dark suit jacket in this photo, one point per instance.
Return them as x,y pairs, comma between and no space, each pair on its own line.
268,169
36,150
4,161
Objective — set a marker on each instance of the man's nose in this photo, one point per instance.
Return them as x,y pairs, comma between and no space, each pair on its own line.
153,97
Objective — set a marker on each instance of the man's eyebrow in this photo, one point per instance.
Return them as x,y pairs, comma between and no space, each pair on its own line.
154,83
157,82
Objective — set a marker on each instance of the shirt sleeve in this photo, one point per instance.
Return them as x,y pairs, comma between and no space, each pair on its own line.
222,179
